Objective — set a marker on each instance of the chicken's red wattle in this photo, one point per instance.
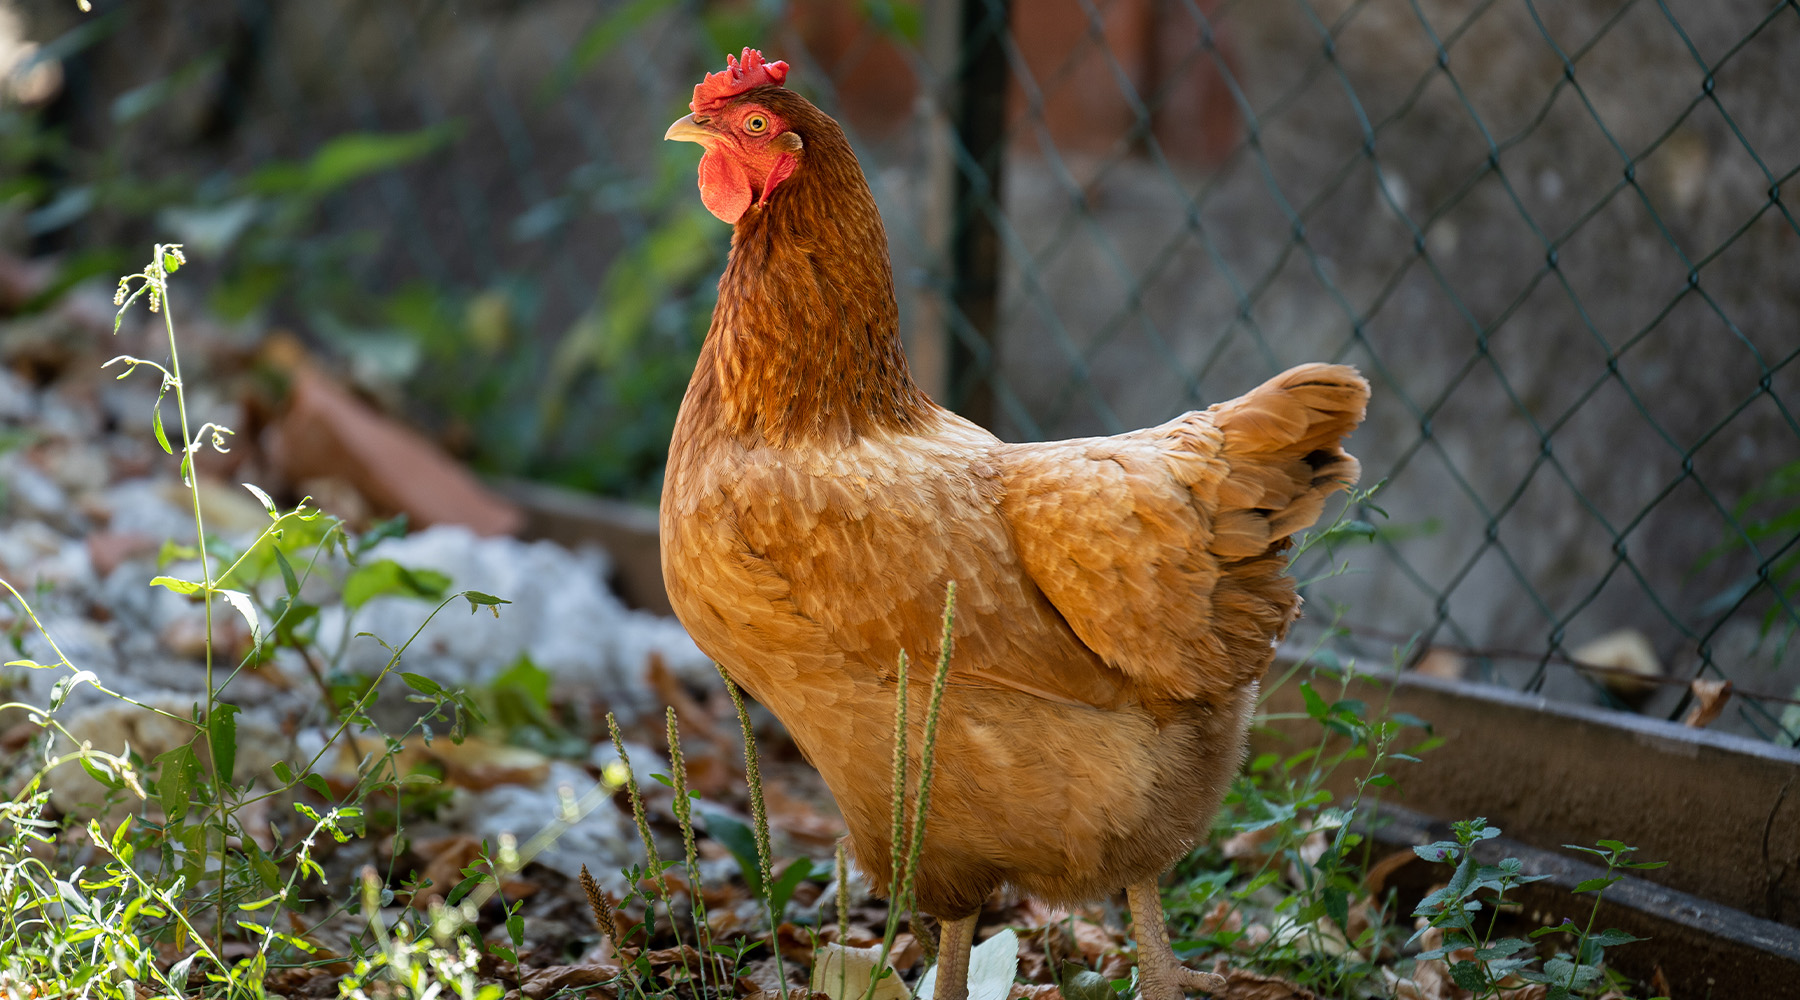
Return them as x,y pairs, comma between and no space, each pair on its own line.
724,187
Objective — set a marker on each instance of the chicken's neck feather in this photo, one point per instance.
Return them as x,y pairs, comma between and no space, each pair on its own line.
805,341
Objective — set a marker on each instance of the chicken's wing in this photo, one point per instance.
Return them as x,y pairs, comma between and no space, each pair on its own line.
1162,547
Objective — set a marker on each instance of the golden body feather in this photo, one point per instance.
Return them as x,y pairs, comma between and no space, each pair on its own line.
1118,600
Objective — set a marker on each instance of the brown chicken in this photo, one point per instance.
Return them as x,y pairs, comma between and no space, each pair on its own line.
1118,598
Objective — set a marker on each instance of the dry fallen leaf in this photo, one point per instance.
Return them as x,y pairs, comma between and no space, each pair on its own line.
695,721
844,974
688,959
1252,845
1222,917
906,952
477,764
1709,700
539,983
1379,872
798,819
327,431
1242,984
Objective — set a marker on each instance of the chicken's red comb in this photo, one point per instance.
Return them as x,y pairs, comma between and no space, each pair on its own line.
739,75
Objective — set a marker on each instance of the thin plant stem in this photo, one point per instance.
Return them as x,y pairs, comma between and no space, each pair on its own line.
897,833
650,855
759,815
157,274
904,857
684,818
897,805
928,750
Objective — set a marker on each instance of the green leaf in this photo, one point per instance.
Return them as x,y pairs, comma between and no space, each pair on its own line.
1612,937
118,837
1503,948
1310,913
221,736
386,577
465,887
1596,884
785,883
380,531
178,586
1267,877
421,683
283,773
174,774
1469,976
737,839
246,607
288,579
156,426
1079,983
529,680
1337,905
170,552
477,599
264,866
1315,705
350,157
263,498
101,774
316,782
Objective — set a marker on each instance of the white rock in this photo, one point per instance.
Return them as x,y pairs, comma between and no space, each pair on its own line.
18,399
604,839
562,615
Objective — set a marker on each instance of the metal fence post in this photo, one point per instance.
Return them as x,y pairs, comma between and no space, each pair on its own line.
980,119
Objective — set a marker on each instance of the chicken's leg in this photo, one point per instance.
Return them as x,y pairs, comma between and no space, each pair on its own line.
955,938
1160,975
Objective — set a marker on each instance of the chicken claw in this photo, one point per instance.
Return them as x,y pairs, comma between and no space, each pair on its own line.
1160,975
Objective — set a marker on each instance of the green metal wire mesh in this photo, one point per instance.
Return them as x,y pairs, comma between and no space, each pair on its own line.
1557,237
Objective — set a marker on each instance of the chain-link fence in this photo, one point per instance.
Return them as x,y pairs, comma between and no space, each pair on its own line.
1557,237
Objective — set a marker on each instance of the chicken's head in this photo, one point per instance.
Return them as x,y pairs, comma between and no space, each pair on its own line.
749,148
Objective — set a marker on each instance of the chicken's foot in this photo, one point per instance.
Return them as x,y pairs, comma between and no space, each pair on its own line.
955,938
1160,975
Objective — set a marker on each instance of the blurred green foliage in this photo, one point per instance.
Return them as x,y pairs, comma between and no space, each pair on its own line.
483,364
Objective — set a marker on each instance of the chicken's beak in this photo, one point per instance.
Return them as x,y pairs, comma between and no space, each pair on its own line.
686,129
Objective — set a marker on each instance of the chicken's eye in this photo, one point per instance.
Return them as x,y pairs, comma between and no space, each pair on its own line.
755,124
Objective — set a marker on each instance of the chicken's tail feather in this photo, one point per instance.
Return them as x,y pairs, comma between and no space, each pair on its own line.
1284,446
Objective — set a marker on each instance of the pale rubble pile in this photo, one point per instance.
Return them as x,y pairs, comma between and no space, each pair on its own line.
87,500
